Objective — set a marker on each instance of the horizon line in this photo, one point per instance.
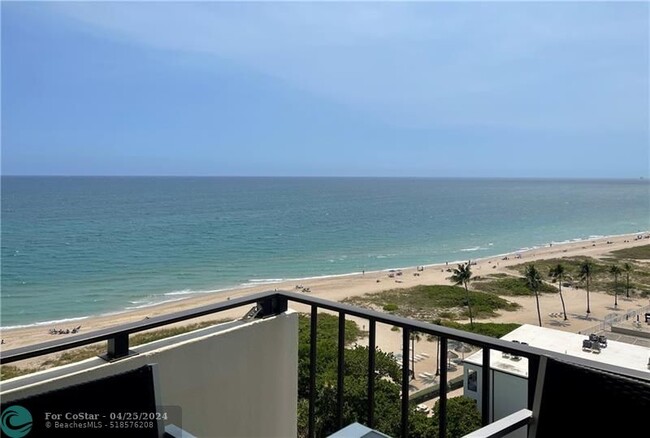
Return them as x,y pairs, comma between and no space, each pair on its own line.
326,176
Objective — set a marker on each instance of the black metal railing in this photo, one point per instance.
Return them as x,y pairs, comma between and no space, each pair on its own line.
276,302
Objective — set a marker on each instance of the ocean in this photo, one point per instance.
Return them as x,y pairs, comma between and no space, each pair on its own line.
79,246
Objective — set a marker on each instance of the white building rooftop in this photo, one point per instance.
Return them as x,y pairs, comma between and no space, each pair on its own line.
619,354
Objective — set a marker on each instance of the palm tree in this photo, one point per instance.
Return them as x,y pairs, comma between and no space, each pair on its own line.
415,337
463,275
627,268
557,272
586,270
615,271
534,281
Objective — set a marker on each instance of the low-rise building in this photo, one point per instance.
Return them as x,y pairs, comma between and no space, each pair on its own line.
509,373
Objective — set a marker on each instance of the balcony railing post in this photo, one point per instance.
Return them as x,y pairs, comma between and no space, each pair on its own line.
533,369
372,341
341,371
485,390
312,371
118,346
406,378
442,432
272,305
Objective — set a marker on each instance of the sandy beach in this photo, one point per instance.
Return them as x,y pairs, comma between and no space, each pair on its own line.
341,287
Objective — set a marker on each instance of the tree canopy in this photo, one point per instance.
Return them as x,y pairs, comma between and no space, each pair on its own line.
388,377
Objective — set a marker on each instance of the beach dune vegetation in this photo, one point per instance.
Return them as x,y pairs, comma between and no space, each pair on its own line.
508,285
492,329
637,279
633,253
390,307
427,302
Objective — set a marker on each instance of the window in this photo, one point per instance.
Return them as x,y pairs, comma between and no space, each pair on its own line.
472,378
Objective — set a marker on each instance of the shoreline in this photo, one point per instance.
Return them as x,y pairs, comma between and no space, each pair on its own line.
334,287
188,294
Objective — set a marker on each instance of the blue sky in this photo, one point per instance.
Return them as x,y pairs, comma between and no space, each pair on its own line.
326,89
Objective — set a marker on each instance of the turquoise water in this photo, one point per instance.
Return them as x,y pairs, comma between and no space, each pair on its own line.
77,246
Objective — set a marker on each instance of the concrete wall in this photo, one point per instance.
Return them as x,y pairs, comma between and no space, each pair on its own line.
641,332
230,381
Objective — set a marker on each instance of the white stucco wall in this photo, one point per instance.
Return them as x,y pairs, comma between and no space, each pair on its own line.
233,381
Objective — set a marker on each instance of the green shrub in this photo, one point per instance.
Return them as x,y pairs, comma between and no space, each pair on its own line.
390,307
638,253
427,301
